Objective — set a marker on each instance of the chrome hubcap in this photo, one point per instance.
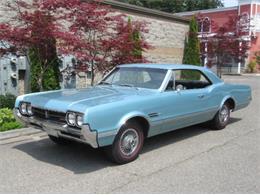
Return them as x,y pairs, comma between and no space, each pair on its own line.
224,114
129,142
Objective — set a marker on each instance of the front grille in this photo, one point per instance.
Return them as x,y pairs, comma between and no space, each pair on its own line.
59,117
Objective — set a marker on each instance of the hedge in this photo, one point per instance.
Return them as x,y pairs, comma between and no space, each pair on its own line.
8,121
7,101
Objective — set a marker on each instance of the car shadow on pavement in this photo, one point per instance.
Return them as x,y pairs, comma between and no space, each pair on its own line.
178,135
81,158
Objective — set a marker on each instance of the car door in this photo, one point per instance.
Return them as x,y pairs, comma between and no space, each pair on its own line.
186,103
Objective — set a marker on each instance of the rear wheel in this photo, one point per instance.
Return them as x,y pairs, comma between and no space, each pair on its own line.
59,140
127,145
222,118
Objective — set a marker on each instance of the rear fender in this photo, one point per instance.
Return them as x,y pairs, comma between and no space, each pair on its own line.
225,99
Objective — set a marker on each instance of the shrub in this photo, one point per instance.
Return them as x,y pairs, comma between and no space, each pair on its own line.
251,67
8,121
7,101
257,57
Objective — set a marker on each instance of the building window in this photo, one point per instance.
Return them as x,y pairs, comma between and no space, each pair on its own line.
204,25
244,22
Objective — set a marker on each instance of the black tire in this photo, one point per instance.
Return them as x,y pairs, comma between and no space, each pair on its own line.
59,140
222,118
132,137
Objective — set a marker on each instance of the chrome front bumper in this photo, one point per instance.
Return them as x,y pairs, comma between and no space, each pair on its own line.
84,134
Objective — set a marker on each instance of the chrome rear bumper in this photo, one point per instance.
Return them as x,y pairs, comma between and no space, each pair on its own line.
84,135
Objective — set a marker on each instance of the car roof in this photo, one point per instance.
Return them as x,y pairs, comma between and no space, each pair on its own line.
163,66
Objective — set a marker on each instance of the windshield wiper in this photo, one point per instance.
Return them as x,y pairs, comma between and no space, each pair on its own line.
128,85
104,83
122,85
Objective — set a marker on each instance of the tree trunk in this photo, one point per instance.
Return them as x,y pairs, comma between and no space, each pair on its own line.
219,66
92,78
92,74
28,74
40,82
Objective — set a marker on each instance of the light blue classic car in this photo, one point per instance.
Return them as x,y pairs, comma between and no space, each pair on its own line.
131,103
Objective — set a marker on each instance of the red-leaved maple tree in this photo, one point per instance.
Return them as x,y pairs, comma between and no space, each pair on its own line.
89,30
230,40
28,26
130,38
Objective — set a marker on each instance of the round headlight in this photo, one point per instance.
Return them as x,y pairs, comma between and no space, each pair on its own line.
23,108
71,118
29,109
79,121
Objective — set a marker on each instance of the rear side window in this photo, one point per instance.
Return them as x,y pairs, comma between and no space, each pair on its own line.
188,79
190,75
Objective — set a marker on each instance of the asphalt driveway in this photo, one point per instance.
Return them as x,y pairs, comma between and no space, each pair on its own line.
191,160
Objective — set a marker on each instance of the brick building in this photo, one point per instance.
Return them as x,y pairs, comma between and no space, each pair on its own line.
249,10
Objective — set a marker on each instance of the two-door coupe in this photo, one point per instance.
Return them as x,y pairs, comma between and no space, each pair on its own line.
131,103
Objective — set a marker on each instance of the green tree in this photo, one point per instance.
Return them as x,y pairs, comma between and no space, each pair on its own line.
192,46
135,37
175,6
50,78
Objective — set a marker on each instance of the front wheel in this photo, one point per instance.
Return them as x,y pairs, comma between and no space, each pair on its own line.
127,145
222,118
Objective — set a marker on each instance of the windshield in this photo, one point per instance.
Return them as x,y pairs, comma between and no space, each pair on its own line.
149,78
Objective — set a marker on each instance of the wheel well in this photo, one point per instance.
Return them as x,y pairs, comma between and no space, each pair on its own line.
143,122
231,103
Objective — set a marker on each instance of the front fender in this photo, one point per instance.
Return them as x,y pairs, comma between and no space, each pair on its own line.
129,116
107,138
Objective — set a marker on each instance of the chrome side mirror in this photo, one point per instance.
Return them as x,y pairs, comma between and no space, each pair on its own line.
179,88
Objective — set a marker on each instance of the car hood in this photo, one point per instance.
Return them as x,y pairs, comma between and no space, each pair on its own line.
81,99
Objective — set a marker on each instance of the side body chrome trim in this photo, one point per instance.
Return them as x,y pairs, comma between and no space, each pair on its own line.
183,117
154,114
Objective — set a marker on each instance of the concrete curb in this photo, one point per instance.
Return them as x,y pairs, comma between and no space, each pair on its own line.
251,74
242,74
17,133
